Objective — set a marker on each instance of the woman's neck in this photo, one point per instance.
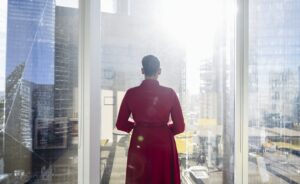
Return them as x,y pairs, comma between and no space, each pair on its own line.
151,77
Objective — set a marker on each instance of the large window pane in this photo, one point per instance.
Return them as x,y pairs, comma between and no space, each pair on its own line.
195,43
38,88
274,61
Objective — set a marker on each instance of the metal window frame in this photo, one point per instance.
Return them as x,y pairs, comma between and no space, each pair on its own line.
89,92
241,94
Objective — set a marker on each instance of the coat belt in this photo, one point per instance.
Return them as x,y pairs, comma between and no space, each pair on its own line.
151,124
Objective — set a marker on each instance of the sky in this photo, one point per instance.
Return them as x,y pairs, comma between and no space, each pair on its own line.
194,27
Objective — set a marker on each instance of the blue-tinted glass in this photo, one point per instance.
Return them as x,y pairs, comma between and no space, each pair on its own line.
39,130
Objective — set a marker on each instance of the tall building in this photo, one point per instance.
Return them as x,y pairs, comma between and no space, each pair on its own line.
66,61
297,105
208,89
30,33
42,101
18,115
3,18
273,60
18,134
2,99
29,60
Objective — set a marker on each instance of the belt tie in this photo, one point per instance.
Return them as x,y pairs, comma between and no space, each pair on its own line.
151,124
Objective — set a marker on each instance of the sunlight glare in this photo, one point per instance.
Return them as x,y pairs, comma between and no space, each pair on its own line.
193,23
67,3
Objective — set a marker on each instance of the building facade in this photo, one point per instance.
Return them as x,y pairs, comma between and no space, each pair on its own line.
273,61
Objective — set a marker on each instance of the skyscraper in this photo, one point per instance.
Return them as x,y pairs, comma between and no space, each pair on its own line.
3,18
66,60
273,59
297,105
29,60
30,34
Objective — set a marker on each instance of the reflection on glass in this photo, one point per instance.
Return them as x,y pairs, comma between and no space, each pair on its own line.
38,102
274,131
195,43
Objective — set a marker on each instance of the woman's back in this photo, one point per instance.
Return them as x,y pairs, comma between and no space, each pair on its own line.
152,154
151,103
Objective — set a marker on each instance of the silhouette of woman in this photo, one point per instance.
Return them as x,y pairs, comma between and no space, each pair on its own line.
152,154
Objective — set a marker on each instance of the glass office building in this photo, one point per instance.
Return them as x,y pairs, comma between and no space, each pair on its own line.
39,137
30,39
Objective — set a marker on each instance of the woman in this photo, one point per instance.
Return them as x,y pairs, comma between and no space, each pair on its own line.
152,154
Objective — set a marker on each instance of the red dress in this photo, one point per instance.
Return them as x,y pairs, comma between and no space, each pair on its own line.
152,154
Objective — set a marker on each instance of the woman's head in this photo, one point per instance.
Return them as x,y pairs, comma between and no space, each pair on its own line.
151,66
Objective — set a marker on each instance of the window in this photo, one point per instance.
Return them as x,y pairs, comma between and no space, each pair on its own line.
274,140
197,59
40,99
38,91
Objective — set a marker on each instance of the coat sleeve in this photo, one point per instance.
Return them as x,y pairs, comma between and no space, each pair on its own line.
178,125
122,121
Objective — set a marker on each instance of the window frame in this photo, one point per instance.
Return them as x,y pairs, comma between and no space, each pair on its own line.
241,94
89,92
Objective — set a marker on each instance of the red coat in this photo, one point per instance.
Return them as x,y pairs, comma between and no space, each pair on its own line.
152,154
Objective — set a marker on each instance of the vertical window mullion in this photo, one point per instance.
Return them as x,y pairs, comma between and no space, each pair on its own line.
241,96
89,93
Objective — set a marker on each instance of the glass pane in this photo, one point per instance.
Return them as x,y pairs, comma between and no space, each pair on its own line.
109,6
38,91
274,129
194,41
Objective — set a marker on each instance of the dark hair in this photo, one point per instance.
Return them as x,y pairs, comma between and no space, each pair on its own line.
151,65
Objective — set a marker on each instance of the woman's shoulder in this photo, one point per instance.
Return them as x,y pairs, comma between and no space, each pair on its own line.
130,90
166,89
160,89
